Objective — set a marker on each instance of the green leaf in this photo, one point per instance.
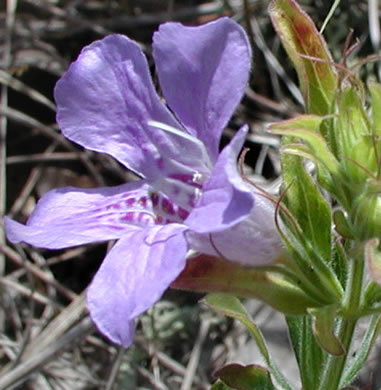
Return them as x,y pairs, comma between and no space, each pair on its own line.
306,128
307,204
312,129
340,263
300,150
362,353
308,353
323,326
311,240
306,122
323,175
219,385
232,307
317,76
250,377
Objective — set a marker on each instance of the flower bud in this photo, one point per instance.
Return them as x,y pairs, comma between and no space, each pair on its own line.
366,216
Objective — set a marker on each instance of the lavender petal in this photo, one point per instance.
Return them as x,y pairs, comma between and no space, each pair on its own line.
253,242
70,216
203,72
133,276
226,199
105,102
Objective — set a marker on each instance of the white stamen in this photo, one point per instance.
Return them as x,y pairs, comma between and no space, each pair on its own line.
192,253
197,193
175,131
197,178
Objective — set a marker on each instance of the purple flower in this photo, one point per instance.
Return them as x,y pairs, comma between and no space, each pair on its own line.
190,196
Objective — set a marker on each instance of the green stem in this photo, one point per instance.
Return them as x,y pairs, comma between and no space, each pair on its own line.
334,366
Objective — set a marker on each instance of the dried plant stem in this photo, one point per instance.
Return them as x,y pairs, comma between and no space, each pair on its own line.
10,21
330,14
374,29
30,184
36,271
195,355
35,361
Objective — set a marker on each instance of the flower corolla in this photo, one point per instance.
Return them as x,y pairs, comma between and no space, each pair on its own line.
190,195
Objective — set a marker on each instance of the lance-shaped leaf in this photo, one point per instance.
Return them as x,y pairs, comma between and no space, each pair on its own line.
313,215
369,339
210,274
323,326
306,122
309,54
251,377
340,262
303,199
308,353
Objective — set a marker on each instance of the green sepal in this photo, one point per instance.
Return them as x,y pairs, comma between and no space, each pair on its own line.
251,377
210,274
310,242
362,161
318,78
323,325
306,203
231,307
354,139
314,274
375,92
308,233
352,116
366,215
342,225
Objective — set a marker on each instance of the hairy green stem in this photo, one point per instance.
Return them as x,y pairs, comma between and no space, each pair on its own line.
334,366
